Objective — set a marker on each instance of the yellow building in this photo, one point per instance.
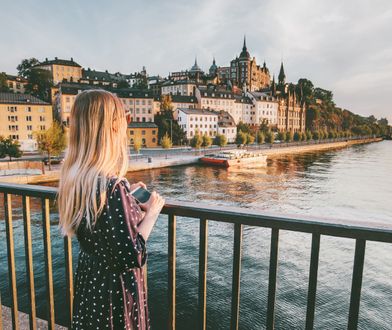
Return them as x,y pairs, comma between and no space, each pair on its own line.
146,133
16,84
21,115
61,70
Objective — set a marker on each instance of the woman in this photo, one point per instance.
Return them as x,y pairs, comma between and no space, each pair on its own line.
95,204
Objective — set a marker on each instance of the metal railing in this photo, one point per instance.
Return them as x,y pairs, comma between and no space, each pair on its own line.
236,216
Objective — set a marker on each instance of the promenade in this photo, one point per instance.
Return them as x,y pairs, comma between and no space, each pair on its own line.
157,158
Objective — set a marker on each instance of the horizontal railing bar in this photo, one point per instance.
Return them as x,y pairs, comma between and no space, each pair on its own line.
331,227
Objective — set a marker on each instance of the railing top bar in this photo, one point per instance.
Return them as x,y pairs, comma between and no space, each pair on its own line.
373,231
28,190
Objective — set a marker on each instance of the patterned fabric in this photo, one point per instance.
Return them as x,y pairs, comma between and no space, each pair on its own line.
109,283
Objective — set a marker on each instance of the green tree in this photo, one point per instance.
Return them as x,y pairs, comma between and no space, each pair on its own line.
316,135
3,83
220,140
166,142
269,137
123,84
309,135
10,147
250,139
39,83
52,141
240,138
282,136
243,127
260,137
167,125
196,141
207,141
289,136
25,67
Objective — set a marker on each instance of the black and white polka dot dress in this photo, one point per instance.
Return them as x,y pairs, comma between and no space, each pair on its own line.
109,283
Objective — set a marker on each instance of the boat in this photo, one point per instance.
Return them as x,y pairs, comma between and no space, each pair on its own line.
234,157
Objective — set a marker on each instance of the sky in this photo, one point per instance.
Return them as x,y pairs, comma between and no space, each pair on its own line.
343,46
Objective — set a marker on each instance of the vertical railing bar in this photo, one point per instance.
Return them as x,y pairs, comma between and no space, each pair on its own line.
312,289
29,260
11,260
68,276
1,315
172,272
48,262
356,286
273,268
203,253
235,298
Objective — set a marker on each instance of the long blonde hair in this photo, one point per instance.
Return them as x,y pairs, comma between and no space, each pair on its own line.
97,150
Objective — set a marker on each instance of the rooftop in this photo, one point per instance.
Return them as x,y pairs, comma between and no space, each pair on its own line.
189,111
12,98
59,61
139,124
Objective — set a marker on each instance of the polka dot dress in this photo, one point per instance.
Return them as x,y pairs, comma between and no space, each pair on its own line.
109,283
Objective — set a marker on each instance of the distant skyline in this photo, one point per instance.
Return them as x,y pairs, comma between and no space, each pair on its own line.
342,46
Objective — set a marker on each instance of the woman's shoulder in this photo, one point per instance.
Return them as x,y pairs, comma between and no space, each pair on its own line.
115,182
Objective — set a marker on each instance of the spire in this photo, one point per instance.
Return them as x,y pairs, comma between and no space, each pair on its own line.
244,54
282,76
213,61
244,47
195,60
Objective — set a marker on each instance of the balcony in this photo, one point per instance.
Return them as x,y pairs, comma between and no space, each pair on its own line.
238,217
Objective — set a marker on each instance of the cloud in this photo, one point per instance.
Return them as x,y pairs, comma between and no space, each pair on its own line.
340,45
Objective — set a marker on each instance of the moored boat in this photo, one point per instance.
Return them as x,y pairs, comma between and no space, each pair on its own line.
229,158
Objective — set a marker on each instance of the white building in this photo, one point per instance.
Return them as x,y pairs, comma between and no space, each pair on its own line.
244,110
197,120
265,108
227,126
180,87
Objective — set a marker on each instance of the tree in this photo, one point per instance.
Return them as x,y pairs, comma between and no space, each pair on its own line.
39,83
25,67
197,141
166,102
289,136
260,137
220,140
243,127
166,142
207,141
123,84
282,136
9,147
269,137
52,141
250,139
137,145
167,125
3,83
240,138
309,135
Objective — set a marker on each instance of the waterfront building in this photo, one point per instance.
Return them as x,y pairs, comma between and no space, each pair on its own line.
244,110
227,126
179,87
21,115
140,103
265,108
245,73
145,132
197,121
61,70
291,115
178,101
215,98
16,84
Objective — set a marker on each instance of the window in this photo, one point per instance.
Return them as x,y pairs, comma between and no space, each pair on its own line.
28,118
153,132
28,109
30,136
131,132
143,141
29,127
41,118
143,132
42,127
154,140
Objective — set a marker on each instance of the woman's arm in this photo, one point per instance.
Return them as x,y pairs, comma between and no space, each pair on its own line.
152,208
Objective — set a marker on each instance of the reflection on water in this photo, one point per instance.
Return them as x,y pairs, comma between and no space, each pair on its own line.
352,183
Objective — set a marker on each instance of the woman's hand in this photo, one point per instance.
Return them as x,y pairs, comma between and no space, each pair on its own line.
137,185
154,204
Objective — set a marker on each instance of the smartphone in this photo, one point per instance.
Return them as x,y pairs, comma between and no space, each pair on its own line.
141,195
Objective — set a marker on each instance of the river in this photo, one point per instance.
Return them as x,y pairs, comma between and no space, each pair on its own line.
354,183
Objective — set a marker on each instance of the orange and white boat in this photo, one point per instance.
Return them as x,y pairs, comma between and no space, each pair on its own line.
229,158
